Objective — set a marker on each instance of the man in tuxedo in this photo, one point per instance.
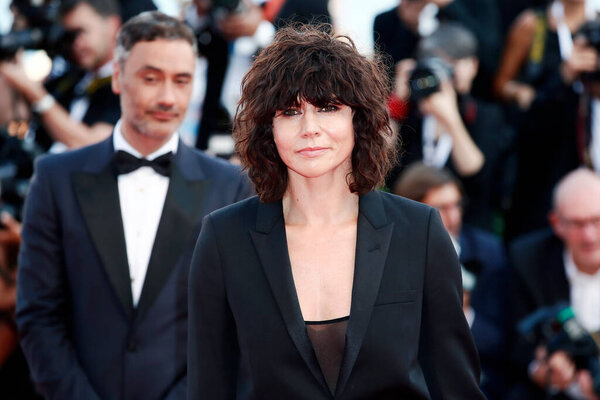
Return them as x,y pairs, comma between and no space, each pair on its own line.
109,232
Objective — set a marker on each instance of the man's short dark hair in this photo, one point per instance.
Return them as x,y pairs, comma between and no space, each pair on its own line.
105,8
450,39
307,63
418,179
148,27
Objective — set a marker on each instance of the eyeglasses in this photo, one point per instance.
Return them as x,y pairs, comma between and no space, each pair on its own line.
450,206
581,223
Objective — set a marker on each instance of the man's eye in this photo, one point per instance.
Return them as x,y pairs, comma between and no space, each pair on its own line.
149,79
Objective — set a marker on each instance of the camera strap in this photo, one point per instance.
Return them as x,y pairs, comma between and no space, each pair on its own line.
436,149
565,40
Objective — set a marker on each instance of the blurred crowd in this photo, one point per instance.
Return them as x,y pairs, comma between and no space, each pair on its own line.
497,108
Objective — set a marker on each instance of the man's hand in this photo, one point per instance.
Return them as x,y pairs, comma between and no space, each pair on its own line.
584,58
442,105
558,372
14,75
403,70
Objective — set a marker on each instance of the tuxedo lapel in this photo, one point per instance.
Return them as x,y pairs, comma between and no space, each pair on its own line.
183,206
271,245
98,197
372,244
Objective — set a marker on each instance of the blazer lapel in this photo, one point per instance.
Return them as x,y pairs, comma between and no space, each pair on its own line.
271,245
372,244
183,206
98,197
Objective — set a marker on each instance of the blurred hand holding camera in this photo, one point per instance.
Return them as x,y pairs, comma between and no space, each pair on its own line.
584,58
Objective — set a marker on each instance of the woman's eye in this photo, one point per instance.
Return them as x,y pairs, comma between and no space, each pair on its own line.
290,112
329,108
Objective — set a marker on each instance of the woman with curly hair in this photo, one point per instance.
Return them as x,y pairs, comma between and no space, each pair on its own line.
322,287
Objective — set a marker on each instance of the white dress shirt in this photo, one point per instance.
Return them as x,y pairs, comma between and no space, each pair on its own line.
142,197
585,294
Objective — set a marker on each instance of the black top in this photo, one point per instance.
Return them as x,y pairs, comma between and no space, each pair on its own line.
328,339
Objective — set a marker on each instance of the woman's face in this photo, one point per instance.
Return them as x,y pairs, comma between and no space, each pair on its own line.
315,141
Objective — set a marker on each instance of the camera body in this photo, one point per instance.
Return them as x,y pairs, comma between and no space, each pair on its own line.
427,77
557,329
44,31
591,32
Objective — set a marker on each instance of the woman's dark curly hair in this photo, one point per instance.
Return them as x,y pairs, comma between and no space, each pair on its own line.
306,63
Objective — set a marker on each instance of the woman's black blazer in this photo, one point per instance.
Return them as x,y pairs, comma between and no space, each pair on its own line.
407,337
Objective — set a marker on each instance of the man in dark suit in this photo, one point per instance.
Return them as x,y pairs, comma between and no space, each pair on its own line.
559,265
483,259
108,237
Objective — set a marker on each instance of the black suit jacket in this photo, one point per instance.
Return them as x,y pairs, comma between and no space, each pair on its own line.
538,279
79,330
407,337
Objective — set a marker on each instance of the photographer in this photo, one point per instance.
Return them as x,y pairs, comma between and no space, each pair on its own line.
556,135
559,265
81,109
448,126
484,268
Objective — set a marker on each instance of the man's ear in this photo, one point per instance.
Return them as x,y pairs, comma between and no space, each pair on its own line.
554,222
115,80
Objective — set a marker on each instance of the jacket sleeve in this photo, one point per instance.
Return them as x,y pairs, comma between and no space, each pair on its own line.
213,352
42,298
446,350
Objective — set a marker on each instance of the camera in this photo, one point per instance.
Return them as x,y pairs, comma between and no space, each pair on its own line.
557,328
43,33
591,32
428,75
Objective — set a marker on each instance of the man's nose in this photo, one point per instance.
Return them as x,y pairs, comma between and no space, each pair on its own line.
167,94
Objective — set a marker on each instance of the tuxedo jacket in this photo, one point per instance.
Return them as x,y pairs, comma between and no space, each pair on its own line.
406,338
79,330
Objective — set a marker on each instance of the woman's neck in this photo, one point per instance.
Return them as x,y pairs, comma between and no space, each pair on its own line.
319,201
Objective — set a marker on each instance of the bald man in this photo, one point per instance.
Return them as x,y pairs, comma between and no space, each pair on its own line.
560,264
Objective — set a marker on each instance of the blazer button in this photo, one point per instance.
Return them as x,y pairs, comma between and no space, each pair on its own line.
132,346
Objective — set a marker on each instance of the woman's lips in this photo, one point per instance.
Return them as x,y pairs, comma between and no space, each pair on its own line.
312,151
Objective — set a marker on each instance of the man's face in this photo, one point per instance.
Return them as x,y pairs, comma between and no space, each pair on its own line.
576,220
155,84
93,36
465,70
448,200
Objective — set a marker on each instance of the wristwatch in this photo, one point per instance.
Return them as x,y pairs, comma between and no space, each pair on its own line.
43,104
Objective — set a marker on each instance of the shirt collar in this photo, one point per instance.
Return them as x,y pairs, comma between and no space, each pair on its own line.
574,275
120,143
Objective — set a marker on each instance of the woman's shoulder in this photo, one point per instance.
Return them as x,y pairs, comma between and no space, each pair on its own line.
235,212
400,208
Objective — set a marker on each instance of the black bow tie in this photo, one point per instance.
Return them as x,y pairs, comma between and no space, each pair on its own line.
126,163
